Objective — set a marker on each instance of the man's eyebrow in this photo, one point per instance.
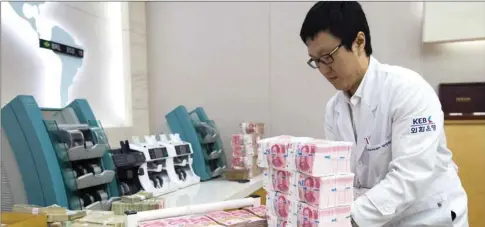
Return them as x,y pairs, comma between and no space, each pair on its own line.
324,51
320,53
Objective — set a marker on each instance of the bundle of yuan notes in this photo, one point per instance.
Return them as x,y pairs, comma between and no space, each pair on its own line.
243,218
137,197
252,128
308,181
259,211
119,207
252,220
100,218
55,214
245,151
227,219
185,221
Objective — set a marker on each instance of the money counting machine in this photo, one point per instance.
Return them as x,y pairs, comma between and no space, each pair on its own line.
158,166
197,129
62,155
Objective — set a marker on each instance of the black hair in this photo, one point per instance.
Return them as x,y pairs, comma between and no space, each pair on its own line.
342,19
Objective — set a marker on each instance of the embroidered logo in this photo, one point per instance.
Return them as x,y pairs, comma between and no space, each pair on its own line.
422,124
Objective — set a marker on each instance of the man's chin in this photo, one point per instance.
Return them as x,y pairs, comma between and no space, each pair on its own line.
339,87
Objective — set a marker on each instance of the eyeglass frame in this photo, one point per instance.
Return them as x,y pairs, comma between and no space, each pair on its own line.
319,60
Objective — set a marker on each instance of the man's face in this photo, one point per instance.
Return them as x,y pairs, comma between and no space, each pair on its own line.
342,72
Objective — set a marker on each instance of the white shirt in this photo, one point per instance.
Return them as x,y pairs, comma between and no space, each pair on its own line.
354,106
400,153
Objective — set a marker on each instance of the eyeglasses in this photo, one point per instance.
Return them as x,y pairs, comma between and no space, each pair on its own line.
325,59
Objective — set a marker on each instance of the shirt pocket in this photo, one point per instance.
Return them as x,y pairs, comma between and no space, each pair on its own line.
377,158
433,212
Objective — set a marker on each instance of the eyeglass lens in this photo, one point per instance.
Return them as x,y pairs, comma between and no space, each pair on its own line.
314,63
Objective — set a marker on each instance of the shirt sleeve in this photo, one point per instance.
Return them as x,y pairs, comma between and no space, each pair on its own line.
417,123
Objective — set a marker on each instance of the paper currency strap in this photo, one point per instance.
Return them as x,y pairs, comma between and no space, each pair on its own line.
133,218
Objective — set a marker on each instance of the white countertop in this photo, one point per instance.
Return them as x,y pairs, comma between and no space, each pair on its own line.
212,191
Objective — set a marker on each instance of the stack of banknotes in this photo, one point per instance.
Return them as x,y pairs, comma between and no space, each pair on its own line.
141,201
259,211
99,219
227,219
252,220
185,221
56,216
138,197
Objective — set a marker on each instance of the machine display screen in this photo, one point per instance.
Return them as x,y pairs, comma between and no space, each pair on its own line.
158,152
182,149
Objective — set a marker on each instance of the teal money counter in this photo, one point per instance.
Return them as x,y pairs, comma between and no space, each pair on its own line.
196,128
59,156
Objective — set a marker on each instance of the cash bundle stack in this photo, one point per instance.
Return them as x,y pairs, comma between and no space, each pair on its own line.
61,217
308,181
245,152
249,217
96,218
141,201
56,216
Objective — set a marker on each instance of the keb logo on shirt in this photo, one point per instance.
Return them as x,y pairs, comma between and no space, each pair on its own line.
422,124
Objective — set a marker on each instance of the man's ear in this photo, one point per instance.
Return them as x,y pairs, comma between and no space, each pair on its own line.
359,43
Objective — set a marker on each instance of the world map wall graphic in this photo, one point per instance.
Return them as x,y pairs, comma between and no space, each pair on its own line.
70,65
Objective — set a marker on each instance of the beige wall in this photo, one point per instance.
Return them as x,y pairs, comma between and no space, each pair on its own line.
454,62
134,30
245,61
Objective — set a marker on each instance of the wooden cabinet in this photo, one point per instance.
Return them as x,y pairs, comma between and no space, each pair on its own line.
466,139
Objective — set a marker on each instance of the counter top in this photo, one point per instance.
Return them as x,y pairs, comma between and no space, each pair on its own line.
212,191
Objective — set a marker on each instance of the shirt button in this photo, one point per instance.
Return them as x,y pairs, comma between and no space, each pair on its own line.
439,204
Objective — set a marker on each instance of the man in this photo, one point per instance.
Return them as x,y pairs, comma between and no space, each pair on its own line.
401,163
